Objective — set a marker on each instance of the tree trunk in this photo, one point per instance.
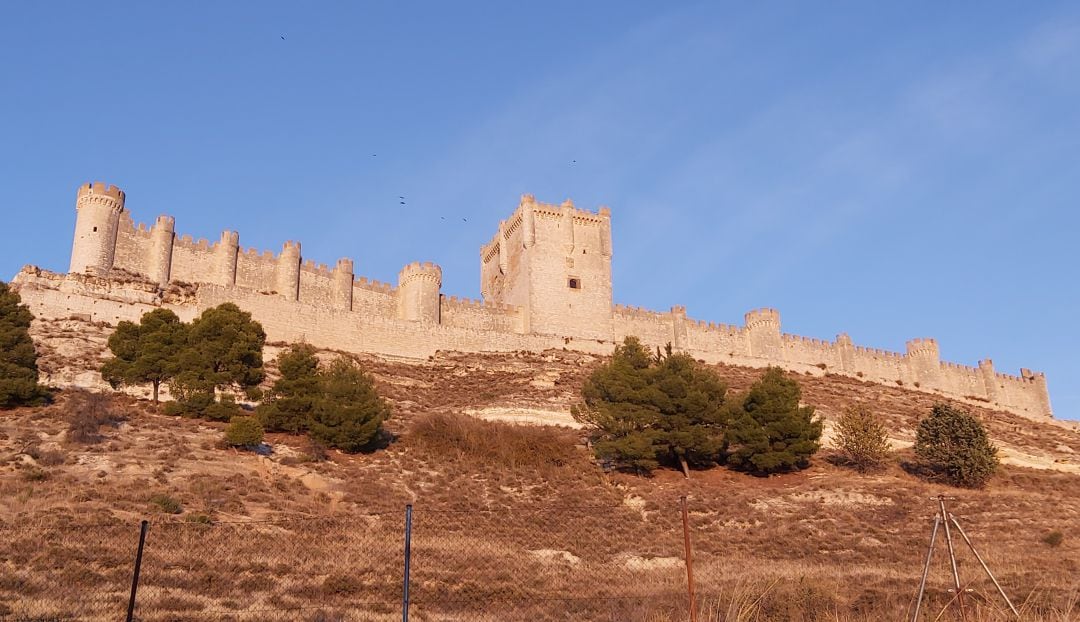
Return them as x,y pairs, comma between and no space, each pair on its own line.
157,385
685,467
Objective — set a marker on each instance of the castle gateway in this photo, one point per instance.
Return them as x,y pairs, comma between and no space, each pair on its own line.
546,283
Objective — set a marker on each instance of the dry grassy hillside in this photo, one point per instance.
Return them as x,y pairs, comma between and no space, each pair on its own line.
511,522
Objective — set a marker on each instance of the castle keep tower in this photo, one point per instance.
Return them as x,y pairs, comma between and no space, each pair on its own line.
418,292
553,261
98,207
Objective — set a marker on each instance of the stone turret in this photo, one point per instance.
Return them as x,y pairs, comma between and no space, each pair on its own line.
288,271
98,207
225,257
763,328
343,284
924,361
161,248
418,292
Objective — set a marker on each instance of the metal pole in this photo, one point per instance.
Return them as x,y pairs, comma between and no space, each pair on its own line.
985,567
926,569
952,557
408,562
138,566
689,558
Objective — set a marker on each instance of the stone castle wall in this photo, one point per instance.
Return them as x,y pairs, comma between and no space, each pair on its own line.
546,283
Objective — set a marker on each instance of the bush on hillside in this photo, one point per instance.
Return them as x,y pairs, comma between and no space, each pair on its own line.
349,412
244,432
291,402
770,432
952,446
861,439
645,410
18,359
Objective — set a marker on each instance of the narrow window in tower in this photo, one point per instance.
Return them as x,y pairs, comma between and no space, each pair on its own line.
95,229
575,283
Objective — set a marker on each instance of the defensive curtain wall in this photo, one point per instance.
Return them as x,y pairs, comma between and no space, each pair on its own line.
545,279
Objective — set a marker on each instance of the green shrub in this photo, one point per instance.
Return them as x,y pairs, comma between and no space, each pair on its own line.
167,504
18,359
349,413
770,431
861,439
244,432
952,446
644,410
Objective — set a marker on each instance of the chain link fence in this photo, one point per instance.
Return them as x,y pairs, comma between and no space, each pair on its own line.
544,563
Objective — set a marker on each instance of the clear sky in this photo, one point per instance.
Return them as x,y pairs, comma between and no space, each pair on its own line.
889,171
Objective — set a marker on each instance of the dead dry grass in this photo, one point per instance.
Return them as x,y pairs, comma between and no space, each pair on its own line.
510,523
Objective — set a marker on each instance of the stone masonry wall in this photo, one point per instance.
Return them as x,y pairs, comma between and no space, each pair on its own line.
546,281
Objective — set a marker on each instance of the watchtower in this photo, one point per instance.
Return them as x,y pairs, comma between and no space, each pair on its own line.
98,207
418,292
553,261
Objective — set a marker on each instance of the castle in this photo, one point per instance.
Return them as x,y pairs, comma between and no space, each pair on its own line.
545,281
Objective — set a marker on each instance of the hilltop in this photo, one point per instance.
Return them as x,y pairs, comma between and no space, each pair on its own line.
516,521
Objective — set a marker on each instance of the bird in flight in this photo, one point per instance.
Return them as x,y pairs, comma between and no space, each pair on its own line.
282,37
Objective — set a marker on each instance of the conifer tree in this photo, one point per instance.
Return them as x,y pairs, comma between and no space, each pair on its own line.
291,402
770,432
18,359
647,410
147,352
223,350
953,446
349,412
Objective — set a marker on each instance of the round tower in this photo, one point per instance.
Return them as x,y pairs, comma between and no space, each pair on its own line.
225,254
418,292
924,362
288,271
763,329
343,284
98,207
161,249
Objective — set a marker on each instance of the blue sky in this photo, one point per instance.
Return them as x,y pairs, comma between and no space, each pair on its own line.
888,171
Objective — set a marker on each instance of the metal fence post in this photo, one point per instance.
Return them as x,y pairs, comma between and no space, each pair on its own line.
408,562
689,558
138,566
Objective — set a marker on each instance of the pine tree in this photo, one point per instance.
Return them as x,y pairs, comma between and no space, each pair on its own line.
953,446
147,352
18,359
770,431
291,402
649,410
349,413
223,350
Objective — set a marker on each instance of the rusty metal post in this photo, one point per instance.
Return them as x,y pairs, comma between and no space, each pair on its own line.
138,567
689,552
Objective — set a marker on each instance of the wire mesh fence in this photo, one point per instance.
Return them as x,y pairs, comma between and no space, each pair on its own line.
544,563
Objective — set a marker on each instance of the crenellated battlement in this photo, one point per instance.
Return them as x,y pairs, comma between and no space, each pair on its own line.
761,318
545,280
100,193
923,347
417,270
